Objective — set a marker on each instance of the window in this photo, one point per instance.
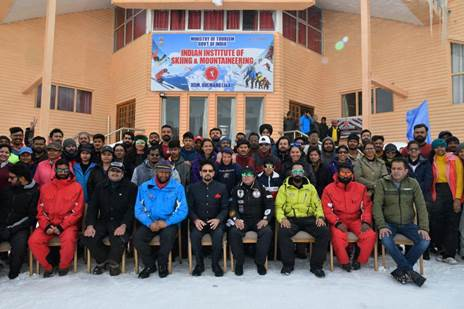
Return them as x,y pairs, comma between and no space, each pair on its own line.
250,20
226,116
304,27
213,20
194,20
457,72
65,98
382,102
266,20
170,111
129,24
198,115
177,20
160,20
233,20
125,115
253,114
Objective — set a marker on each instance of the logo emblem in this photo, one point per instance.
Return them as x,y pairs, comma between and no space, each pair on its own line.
240,193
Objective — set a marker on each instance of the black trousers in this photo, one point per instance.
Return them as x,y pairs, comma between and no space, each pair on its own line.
216,238
262,246
102,253
144,235
18,243
307,224
444,222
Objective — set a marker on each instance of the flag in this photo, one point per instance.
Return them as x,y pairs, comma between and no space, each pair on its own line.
416,116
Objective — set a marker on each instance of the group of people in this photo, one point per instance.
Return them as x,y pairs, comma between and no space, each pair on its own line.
145,186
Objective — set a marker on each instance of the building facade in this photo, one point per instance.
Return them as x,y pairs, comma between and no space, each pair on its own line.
103,60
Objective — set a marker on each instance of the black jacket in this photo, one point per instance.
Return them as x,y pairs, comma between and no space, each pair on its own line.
18,207
113,205
251,203
97,175
207,202
323,177
423,174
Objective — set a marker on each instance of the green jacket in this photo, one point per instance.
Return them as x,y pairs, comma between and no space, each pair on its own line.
368,172
399,205
297,203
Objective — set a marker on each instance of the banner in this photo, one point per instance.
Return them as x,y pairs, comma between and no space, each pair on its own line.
212,62
350,125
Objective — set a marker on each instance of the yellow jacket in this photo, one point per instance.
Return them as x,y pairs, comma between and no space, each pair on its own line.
292,202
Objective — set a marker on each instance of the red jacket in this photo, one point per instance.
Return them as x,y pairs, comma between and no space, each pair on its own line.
349,202
61,203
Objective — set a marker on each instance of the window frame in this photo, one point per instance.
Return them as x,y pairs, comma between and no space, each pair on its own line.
306,24
127,20
358,93
261,114
54,104
455,74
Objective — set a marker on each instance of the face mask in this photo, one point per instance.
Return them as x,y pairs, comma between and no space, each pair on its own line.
420,139
345,180
166,138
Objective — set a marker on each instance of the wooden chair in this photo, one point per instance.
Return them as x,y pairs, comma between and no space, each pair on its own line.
353,239
106,242
55,242
400,239
301,237
6,247
154,242
205,242
251,237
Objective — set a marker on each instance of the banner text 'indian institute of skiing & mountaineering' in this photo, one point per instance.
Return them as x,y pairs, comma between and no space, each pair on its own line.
212,62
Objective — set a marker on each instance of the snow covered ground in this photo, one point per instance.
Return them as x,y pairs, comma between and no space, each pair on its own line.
362,289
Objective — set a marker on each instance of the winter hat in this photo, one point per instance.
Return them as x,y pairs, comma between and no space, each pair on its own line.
107,148
443,134
264,140
55,145
163,165
247,170
439,143
390,148
228,150
174,144
265,126
25,150
225,139
353,136
198,138
118,165
86,147
68,142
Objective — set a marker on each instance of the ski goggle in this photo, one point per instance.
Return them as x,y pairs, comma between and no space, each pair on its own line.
247,174
269,165
345,173
298,172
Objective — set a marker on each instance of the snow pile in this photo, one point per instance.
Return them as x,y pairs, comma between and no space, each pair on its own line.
361,289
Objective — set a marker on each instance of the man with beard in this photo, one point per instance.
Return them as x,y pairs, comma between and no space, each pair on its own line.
181,166
215,135
70,150
128,140
59,210
420,136
348,208
56,136
208,202
154,138
17,139
283,148
166,136
18,209
83,138
354,154
298,207
323,128
378,141
314,140
160,206
253,138
38,149
110,214
366,136
98,143
244,157
251,209
328,150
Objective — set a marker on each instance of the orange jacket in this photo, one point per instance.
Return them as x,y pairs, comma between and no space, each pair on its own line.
346,202
450,159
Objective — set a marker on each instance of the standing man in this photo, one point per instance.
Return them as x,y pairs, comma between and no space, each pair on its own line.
17,139
348,208
208,202
354,154
420,136
166,136
59,211
298,207
18,209
110,214
323,128
334,131
160,206
265,153
378,141
182,167
366,136
215,135
305,122
251,209
396,200
39,153
188,151
56,136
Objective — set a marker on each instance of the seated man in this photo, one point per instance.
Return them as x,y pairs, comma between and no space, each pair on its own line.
110,214
251,210
298,208
60,208
347,207
208,202
160,206
18,209
395,198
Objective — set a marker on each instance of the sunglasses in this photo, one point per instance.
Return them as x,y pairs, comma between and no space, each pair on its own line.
247,174
268,165
207,171
345,174
62,170
343,152
298,172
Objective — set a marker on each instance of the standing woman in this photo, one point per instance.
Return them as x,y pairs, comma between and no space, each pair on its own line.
99,173
84,167
120,155
296,156
206,153
460,154
369,169
320,169
139,151
5,151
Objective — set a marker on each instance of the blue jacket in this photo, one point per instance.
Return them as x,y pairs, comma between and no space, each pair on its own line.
82,178
168,204
305,124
